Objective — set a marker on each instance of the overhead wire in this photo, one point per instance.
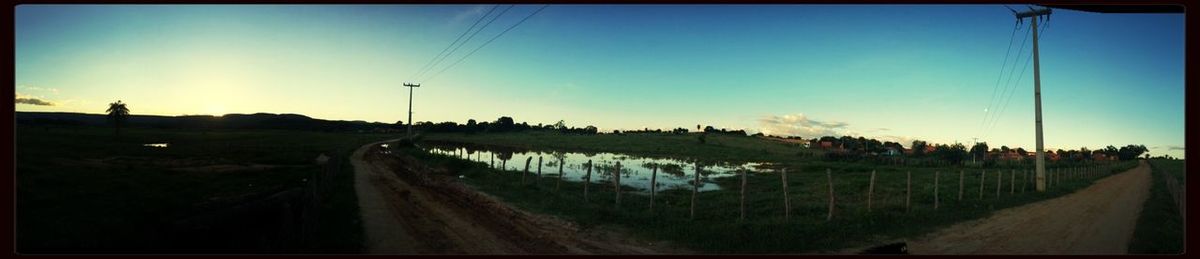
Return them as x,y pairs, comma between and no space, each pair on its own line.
1008,99
460,60
429,64
439,61
1007,51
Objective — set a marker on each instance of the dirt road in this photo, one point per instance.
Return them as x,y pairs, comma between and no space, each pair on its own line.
1096,220
406,209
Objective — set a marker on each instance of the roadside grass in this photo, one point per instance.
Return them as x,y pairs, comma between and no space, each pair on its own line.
67,201
717,228
1160,228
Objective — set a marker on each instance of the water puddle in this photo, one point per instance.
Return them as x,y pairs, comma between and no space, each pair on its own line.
158,145
635,170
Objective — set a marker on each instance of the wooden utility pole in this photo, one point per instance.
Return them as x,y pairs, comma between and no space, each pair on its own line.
1033,16
410,99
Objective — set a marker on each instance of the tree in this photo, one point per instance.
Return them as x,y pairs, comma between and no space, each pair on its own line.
918,147
979,150
590,129
560,125
117,114
504,123
1130,152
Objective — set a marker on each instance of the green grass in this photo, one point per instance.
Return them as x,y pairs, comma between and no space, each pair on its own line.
716,228
1160,228
65,205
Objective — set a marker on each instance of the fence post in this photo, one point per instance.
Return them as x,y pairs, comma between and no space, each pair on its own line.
743,209
493,163
870,190
829,178
982,176
999,180
537,181
695,188
617,183
558,184
1012,181
653,185
936,174
1024,180
960,185
786,207
908,194
587,180
527,160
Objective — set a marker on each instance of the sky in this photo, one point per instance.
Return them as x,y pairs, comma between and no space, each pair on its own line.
939,73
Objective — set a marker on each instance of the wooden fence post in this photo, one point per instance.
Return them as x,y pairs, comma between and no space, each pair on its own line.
999,179
960,185
982,176
587,180
936,174
743,209
617,183
527,160
558,184
908,194
695,188
653,185
829,178
503,165
1024,180
786,207
493,163
537,181
870,190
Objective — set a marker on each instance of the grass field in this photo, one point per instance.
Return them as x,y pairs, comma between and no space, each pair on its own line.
80,189
717,227
1160,228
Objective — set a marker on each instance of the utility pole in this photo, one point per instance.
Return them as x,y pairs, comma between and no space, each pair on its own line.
1033,16
974,141
410,92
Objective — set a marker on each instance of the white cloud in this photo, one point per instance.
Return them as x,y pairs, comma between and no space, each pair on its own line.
799,125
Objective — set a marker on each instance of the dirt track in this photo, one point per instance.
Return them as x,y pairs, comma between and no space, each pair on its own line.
407,210
1098,219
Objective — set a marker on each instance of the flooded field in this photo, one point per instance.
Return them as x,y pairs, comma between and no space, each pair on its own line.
635,171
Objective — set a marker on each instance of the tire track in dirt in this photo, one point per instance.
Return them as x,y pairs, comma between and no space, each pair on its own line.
1099,219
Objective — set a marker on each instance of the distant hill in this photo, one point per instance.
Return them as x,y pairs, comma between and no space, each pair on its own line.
228,121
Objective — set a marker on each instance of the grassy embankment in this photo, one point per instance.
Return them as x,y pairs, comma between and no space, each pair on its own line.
716,227
81,190
1160,227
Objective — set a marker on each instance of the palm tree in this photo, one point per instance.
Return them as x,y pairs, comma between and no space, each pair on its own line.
117,113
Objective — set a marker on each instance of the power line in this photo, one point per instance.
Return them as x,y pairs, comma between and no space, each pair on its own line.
489,41
429,64
439,61
1008,81
1012,36
1007,100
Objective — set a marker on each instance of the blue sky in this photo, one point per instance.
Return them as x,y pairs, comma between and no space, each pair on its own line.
894,72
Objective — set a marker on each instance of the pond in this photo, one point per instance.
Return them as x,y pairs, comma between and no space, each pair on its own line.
635,170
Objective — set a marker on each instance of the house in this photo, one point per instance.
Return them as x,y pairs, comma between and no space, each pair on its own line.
930,149
826,144
891,151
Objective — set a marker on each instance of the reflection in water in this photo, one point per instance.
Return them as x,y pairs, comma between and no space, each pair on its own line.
635,171
155,145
